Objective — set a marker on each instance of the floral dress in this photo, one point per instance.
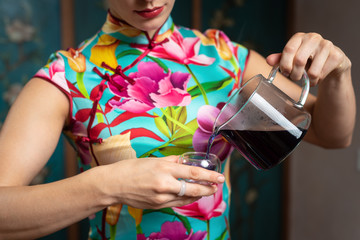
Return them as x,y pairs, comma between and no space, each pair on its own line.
132,96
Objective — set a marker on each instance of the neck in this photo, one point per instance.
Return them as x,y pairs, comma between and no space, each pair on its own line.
150,33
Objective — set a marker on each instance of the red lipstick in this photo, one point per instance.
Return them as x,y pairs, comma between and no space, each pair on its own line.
150,13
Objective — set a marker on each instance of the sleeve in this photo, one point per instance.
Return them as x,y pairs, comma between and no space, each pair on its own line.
227,50
54,72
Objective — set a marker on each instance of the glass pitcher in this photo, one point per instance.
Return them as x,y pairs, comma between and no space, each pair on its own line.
263,123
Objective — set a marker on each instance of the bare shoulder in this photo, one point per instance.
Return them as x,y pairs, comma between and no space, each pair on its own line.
41,96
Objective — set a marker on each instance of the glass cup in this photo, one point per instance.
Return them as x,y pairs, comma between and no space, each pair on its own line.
200,159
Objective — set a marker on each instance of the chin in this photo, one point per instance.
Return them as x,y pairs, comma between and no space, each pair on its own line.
152,26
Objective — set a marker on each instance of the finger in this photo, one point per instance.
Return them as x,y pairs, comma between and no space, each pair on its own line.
316,69
301,61
172,158
334,61
197,174
305,55
328,68
166,185
178,202
167,200
273,59
196,190
176,189
182,190
288,54
184,201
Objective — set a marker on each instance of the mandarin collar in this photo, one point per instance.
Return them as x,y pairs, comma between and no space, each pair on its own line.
123,31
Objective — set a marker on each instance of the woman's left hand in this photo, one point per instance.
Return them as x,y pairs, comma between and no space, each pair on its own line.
311,52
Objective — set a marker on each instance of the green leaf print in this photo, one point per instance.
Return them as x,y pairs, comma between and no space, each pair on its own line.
173,150
128,52
180,116
160,63
161,125
81,85
199,85
169,211
234,62
138,229
222,236
172,124
175,118
185,141
192,125
209,87
138,52
163,210
100,116
112,232
185,222
170,120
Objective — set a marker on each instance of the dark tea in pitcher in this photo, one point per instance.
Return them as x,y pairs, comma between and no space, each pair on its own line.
263,149
262,122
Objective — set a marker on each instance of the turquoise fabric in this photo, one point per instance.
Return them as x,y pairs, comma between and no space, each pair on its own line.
154,97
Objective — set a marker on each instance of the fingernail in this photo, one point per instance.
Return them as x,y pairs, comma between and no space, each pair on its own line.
286,74
221,179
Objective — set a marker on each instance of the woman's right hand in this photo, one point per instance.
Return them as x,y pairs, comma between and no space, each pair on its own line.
152,183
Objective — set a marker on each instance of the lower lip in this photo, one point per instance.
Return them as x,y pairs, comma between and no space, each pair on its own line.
150,14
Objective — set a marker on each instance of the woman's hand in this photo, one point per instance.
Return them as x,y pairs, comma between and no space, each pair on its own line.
310,52
333,108
152,183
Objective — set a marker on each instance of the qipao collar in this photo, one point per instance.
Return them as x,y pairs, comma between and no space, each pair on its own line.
119,29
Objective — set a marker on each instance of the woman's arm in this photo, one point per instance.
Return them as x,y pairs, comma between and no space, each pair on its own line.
333,109
27,140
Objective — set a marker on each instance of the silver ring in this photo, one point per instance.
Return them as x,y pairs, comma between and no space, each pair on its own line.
182,188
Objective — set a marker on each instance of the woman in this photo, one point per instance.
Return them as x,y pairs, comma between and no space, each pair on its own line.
132,98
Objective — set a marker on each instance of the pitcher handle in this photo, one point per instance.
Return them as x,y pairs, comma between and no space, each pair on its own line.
305,86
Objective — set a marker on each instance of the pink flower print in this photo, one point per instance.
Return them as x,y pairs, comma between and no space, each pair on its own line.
82,147
153,88
173,231
182,50
206,207
206,118
56,74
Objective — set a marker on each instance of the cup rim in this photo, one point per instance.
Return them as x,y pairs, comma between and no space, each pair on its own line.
211,158
199,154
216,129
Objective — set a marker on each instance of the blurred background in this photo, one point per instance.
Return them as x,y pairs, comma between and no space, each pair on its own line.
312,195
